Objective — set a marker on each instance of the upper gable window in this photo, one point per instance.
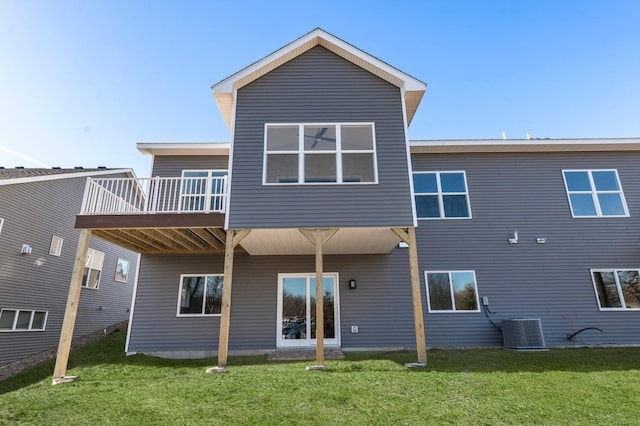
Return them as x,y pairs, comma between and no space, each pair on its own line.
320,153
441,195
595,193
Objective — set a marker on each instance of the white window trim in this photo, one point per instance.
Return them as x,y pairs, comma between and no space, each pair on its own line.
90,253
15,320
182,276
336,310
594,193
618,288
440,194
55,248
300,152
451,311
1,223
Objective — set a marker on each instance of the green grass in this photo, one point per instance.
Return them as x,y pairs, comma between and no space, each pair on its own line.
479,387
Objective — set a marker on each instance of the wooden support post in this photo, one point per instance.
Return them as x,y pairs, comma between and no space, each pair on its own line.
319,302
318,237
408,235
223,342
66,334
232,239
418,317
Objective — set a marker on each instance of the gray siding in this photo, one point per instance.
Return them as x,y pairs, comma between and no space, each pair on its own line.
173,165
319,86
381,305
507,191
33,212
549,281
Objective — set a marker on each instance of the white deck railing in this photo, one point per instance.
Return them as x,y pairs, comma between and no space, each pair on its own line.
114,196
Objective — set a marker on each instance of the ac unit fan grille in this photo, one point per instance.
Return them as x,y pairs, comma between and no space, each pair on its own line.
523,333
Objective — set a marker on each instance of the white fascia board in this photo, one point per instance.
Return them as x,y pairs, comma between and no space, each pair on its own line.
183,148
315,38
65,176
525,145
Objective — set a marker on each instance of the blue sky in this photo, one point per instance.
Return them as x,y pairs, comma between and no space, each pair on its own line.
81,82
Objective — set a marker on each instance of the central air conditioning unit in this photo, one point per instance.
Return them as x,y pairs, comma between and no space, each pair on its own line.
522,333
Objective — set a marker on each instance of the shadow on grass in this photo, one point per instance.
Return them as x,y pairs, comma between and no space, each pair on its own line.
109,351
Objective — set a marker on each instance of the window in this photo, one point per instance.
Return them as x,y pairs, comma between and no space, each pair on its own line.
93,269
1,223
122,270
617,289
595,193
320,153
203,190
56,246
22,320
200,295
441,195
453,291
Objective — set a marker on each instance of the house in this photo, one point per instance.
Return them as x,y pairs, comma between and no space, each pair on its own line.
446,243
37,248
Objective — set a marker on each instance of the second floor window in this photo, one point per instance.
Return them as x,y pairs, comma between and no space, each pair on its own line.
441,195
595,193
320,153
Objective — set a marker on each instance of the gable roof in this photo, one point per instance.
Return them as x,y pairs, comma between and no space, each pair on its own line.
224,90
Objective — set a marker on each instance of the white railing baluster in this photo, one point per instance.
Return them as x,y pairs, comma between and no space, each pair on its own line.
112,196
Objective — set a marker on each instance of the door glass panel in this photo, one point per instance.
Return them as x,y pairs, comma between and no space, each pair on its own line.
328,300
217,190
294,308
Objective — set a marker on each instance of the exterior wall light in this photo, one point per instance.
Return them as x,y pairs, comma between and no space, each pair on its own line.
352,283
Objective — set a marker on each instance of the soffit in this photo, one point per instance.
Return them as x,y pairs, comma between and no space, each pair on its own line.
184,148
524,145
224,90
345,241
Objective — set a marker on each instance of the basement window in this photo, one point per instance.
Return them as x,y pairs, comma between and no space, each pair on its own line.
93,269
22,320
617,289
200,295
452,291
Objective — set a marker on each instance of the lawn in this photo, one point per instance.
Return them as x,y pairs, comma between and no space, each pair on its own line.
491,387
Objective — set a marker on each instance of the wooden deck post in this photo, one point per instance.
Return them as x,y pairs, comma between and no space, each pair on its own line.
318,237
408,235
319,302
66,334
233,238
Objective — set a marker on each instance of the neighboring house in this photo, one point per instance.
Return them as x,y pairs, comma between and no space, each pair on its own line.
37,248
320,178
